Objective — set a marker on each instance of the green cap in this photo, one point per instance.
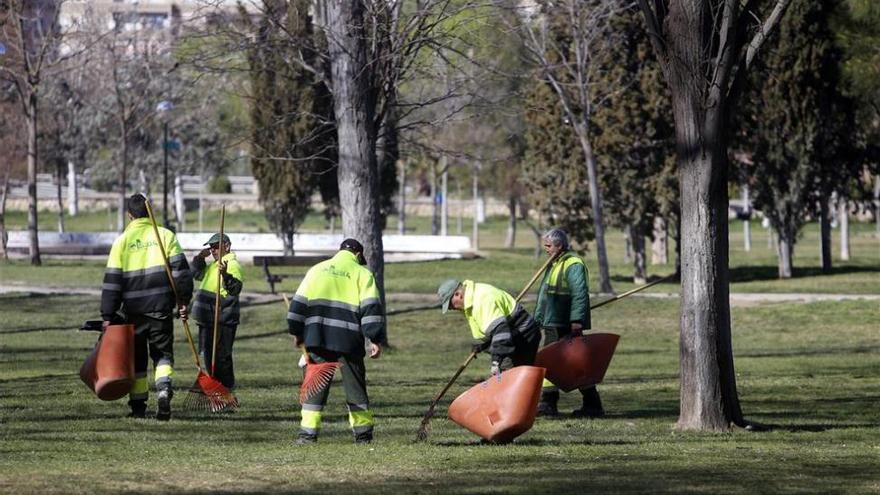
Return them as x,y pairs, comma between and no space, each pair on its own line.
215,239
445,292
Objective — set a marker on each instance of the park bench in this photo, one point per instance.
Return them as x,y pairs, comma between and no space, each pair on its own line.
275,261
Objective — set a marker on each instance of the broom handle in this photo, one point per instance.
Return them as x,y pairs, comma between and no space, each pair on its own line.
473,354
217,297
631,292
192,346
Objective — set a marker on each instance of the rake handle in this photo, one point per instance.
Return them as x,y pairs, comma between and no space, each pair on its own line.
192,346
217,296
631,292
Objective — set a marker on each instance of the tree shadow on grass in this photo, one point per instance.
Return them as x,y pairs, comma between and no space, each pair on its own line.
771,272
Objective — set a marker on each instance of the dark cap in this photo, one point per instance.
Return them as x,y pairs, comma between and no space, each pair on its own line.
355,247
215,239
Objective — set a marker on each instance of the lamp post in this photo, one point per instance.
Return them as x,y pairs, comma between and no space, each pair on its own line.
163,109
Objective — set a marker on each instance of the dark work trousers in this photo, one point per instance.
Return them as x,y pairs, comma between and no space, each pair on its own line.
154,340
524,354
590,394
224,371
354,382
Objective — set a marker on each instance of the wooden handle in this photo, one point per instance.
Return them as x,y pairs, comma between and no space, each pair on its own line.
217,296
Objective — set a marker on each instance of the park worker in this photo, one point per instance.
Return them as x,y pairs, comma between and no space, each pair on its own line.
563,311
498,323
336,308
229,269
136,283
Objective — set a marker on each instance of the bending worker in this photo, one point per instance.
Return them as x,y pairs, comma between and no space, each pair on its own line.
135,281
498,323
203,306
335,308
563,311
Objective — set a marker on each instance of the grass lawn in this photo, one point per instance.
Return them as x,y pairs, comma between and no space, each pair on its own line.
753,271
811,371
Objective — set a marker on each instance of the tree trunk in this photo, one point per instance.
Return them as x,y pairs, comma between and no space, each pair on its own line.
475,233
354,107
825,234
510,242
120,217
709,400
785,251
179,204
843,214
60,197
660,244
401,199
33,225
435,205
4,193
598,221
747,221
444,198
627,245
72,190
640,271
877,202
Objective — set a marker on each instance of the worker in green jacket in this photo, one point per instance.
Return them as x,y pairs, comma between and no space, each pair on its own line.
205,299
136,290
335,313
498,323
563,311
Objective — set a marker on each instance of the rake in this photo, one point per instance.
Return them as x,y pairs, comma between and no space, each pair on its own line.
317,376
425,426
206,393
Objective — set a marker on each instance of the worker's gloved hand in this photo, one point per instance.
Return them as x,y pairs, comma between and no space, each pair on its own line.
204,253
222,266
577,330
477,348
297,341
182,312
495,369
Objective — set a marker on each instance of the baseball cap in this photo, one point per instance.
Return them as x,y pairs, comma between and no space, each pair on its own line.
215,239
445,292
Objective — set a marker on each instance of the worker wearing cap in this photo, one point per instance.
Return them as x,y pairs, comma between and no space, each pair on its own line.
563,311
229,270
498,323
336,308
135,282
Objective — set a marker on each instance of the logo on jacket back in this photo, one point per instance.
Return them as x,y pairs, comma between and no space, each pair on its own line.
331,270
137,245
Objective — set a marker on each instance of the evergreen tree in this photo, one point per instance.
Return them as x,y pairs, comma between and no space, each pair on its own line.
797,127
635,138
289,124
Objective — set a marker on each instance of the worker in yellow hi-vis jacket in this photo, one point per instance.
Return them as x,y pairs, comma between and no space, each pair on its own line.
205,298
335,308
136,283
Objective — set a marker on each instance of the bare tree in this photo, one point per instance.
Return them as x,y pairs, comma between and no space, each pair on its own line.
32,31
567,42
705,51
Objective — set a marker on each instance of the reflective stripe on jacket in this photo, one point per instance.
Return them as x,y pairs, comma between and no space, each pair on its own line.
564,296
135,277
336,306
203,303
496,320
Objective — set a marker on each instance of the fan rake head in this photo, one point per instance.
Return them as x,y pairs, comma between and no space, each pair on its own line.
208,394
425,427
317,378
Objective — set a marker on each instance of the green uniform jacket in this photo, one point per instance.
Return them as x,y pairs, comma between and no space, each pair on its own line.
497,322
203,304
564,296
336,306
135,277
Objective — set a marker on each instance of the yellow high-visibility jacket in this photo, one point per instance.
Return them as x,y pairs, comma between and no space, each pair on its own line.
135,277
206,296
498,323
336,306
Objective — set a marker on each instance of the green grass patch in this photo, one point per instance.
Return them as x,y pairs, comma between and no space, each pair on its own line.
811,371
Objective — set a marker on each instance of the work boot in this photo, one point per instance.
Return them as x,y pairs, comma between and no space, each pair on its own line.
163,409
138,409
305,439
547,406
592,405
